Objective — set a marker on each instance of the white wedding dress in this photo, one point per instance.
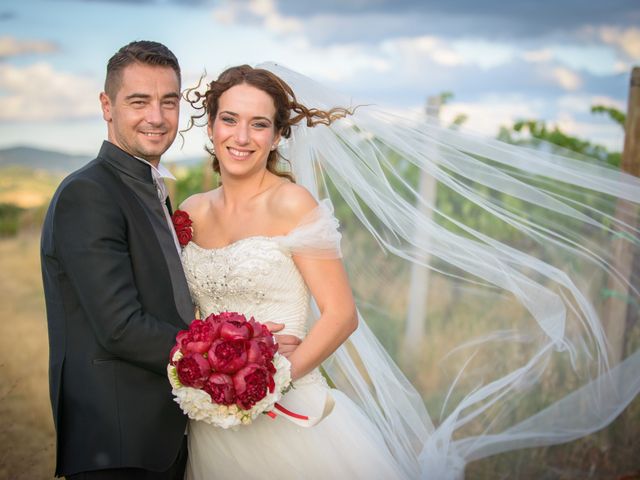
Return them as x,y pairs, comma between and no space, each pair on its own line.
256,276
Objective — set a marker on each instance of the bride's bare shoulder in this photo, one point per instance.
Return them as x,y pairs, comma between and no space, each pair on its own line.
199,204
290,203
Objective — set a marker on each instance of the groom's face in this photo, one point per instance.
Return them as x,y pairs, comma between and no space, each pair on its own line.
142,119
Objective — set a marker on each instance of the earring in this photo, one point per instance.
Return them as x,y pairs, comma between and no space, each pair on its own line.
273,147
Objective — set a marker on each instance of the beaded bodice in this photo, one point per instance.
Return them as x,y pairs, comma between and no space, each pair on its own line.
255,276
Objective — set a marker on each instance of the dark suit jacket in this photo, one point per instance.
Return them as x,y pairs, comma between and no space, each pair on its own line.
116,296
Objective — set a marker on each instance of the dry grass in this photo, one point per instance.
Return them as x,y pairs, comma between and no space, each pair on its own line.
26,188
27,434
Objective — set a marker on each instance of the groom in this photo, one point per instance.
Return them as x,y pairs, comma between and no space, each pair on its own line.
114,287
115,290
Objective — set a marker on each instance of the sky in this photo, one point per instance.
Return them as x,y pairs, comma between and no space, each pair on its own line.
502,60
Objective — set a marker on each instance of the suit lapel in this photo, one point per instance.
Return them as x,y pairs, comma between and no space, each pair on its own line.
162,240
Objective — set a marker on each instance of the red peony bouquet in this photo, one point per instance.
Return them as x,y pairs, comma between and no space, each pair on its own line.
226,370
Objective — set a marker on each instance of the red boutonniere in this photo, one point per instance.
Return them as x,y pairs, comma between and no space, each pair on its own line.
182,225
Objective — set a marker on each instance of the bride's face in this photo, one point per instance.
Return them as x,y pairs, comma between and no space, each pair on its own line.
243,131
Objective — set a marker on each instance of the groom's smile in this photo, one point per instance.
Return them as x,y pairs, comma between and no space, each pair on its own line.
142,119
155,136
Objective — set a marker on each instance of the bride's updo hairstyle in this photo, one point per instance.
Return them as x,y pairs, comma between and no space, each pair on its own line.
288,111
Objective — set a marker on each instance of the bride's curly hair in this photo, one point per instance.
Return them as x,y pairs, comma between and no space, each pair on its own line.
289,111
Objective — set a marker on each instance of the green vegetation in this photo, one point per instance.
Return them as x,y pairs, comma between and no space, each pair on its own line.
533,132
193,180
24,195
9,219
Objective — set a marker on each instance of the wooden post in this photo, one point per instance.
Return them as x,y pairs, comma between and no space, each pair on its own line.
419,286
616,307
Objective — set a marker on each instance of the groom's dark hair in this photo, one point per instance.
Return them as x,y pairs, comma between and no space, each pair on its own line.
143,51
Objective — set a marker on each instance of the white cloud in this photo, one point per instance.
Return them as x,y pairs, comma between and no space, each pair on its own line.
225,14
339,62
262,8
264,12
483,53
581,104
628,41
537,56
38,93
415,49
566,78
491,112
11,47
467,51
621,67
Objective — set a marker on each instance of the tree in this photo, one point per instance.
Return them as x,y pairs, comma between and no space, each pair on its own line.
538,131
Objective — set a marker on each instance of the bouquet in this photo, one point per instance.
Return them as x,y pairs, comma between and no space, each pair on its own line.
226,370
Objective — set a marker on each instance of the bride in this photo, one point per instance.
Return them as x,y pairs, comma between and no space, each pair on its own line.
268,247
261,246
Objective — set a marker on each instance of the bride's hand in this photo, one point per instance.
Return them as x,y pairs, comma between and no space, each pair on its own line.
286,343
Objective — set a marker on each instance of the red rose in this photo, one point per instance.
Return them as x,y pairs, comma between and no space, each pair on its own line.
198,338
259,329
231,316
182,225
271,368
266,338
233,329
228,356
181,219
184,236
220,387
251,384
193,370
215,323
259,352
261,333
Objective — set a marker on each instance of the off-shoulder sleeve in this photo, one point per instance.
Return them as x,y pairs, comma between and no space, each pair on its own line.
316,235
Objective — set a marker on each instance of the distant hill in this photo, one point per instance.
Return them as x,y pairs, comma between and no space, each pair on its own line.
58,163
29,176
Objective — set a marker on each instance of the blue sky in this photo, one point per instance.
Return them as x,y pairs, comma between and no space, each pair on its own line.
502,60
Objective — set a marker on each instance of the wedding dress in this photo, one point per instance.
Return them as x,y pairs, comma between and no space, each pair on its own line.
256,276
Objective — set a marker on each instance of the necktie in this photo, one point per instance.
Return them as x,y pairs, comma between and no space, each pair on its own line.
161,190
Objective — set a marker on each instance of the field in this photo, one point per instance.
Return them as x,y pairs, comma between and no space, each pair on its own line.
26,188
27,435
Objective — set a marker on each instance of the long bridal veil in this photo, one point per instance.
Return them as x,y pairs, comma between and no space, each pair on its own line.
500,279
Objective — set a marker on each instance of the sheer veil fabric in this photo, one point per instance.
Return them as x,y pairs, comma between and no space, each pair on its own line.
519,246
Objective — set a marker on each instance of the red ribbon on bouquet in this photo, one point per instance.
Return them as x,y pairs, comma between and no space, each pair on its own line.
304,420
